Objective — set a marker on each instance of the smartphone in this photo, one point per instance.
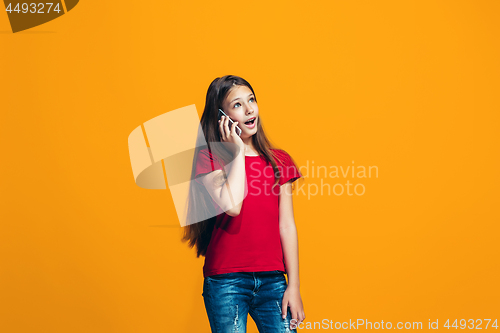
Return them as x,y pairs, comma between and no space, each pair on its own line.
237,129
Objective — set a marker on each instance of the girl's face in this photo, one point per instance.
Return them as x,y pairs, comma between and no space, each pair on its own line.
240,106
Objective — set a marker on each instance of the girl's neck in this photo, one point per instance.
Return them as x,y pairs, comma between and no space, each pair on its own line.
249,148
248,142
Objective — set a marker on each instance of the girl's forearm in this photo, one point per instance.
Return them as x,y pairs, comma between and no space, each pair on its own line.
233,191
290,245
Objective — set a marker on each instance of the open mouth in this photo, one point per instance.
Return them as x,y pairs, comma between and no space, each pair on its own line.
251,121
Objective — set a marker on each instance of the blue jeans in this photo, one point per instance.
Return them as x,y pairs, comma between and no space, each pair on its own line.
230,297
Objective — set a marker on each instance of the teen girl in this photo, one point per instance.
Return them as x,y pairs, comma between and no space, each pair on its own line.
250,243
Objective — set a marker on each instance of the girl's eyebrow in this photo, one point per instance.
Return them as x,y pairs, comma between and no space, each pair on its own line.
239,98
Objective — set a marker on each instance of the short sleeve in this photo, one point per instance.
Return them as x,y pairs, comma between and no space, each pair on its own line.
205,163
288,169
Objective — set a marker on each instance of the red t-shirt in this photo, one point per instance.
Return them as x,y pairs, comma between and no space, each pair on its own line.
249,242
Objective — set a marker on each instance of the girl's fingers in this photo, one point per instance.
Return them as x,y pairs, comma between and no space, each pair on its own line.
226,127
298,319
221,128
295,319
284,308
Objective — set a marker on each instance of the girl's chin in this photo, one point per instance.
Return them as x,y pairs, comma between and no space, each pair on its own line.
247,135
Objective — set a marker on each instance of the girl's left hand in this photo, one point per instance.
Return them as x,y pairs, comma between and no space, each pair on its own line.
292,299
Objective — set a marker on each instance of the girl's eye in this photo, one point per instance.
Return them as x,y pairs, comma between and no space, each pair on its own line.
251,99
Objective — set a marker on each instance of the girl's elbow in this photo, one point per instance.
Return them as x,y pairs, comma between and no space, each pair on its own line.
235,211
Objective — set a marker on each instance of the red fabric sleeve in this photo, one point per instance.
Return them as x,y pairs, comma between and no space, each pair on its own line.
288,169
205,163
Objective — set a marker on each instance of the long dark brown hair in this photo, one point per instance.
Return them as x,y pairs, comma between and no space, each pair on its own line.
199,233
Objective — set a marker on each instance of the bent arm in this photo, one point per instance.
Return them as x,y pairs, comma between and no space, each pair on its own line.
228,192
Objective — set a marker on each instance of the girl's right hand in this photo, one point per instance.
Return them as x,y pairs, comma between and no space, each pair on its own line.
228,135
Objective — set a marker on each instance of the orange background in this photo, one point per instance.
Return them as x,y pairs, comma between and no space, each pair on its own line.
410,87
